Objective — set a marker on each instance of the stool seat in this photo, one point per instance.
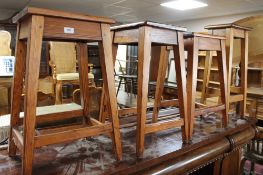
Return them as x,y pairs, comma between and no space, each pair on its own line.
148,23
228,25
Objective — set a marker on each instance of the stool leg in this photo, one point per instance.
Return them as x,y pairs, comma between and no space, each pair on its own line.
160,82
109,85
144,56
103,104
84,79
17,91
229,62
221,57
244,65
34,44
206,77
191,83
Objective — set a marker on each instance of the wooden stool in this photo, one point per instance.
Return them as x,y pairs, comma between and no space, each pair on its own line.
234,32
35,24
193,44
145,34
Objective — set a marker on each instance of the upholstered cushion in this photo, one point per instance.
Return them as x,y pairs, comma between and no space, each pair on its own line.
45,85
5,40
72,76
68,76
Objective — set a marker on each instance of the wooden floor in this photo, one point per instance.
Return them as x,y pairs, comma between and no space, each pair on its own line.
94,156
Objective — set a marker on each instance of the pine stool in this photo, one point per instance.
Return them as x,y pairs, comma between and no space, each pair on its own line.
193,44
234,32
145,34
34,25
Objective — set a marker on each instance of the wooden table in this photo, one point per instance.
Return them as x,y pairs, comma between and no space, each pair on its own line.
214,150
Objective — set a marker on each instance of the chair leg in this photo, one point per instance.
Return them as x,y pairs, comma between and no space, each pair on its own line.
34,44
119,86
58,92
105,47
221,57
144,56
192,83
17,91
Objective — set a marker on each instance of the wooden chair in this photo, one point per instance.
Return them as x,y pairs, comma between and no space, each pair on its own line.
5,50
5,41
235,33
193,44
35,24
63,61
145,34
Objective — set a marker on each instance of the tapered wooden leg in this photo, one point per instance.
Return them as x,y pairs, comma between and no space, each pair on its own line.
58,92
221,57
103,104
179,58
109,85
191,83
17,89
160,81
34,44
144,55
206,77
84,79
244,65
229,62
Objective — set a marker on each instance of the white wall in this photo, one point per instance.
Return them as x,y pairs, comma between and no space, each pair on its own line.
198,25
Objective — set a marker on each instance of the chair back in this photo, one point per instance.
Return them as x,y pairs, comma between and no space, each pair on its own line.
63,55
5,40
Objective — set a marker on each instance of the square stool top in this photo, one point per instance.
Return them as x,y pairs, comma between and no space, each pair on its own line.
228,25
148,23
60,14
191,35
